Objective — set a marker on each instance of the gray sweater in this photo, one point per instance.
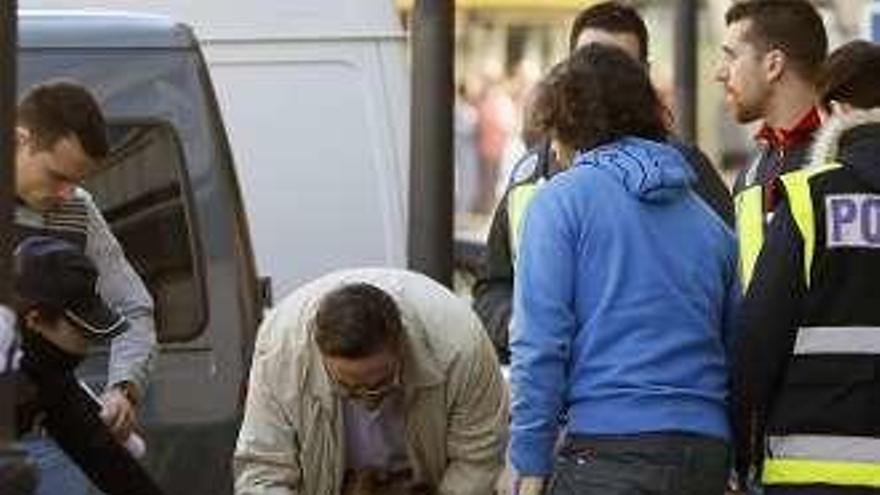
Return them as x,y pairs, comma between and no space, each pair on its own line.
131,353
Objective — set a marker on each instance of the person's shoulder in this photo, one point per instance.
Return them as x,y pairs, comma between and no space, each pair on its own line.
83,197
444,317
582,177
690,152
286,325
80,202
531,167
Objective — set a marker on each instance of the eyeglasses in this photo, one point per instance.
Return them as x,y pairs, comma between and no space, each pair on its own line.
368,393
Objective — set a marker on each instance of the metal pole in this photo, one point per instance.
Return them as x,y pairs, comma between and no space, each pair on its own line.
686,69
17,476
431,172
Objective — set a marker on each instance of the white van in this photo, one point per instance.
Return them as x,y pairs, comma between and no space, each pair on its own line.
315,100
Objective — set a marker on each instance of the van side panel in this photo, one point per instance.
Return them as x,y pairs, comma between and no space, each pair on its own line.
314,145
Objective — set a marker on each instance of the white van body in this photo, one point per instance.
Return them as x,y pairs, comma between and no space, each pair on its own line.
872,21
315,100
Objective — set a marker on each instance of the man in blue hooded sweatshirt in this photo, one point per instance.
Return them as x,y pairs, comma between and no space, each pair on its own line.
624,298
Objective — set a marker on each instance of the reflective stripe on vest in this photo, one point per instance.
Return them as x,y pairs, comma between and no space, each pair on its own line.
798,472
517,202
825,447
797,188
749,229
831,459
837,340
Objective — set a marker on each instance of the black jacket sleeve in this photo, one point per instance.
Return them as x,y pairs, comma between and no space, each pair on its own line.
709,185
73,420
493,290
769,320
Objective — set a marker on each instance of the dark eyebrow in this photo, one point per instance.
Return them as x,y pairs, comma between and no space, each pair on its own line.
60,176
728,50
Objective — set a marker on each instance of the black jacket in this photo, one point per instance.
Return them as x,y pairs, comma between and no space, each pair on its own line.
493,290
54,400
775,159
776,392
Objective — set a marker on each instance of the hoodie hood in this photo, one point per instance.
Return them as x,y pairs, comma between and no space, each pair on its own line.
854,140
648,170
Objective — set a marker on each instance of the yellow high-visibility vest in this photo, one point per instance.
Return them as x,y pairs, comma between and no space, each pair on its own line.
518,201
749,205
839,460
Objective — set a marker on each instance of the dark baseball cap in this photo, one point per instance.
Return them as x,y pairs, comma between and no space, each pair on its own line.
56,273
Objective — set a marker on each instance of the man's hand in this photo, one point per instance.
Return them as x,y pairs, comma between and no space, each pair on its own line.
118,413
362,482
528,485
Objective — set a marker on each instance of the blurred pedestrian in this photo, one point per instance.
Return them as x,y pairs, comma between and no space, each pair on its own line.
496,121
467,159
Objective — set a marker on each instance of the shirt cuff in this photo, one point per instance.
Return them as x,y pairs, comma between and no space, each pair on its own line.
532,454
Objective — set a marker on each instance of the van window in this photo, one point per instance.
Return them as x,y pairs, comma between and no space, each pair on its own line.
142,191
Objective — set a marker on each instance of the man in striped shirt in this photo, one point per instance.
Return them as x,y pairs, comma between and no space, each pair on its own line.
60,140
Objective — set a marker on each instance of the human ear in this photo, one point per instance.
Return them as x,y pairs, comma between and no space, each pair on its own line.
21,136
32,320
774,64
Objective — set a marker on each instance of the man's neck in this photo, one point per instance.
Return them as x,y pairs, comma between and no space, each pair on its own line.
790,104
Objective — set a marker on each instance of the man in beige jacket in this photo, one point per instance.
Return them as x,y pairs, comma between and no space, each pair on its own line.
378,380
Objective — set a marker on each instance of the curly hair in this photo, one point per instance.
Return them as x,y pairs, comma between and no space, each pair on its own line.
597,96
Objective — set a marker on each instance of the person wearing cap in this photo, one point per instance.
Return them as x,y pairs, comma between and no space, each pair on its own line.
59,314
60,140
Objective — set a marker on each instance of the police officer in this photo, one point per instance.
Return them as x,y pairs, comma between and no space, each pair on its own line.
610,23
806,387
771,53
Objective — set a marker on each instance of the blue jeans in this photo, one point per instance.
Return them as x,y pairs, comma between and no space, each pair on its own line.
657,464
59,475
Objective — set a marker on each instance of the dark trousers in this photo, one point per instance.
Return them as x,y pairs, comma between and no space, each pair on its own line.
679,464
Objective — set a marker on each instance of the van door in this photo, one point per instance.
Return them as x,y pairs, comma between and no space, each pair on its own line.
170,195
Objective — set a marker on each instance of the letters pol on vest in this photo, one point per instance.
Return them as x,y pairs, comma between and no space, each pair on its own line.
853,220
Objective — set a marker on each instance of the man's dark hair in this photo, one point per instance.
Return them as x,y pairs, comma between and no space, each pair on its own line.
596,96
357,321
852,75
792,26
612,17
59,109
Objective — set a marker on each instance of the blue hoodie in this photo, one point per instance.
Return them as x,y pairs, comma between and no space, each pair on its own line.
624,297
